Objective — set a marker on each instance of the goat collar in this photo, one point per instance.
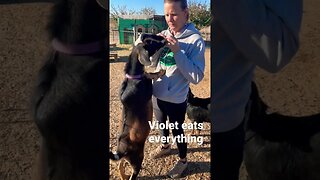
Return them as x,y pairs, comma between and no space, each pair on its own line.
139,76
77,49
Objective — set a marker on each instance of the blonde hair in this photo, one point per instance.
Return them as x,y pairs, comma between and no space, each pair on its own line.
183,5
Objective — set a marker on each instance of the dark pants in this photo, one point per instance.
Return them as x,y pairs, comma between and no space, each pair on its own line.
227,153
176,113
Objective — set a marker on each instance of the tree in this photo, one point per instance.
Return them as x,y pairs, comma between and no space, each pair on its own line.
200,13
147,11
115,12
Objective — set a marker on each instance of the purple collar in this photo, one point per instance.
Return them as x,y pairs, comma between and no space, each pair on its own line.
134,76
77,49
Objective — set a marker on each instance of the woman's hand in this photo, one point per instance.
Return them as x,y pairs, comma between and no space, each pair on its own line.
173,44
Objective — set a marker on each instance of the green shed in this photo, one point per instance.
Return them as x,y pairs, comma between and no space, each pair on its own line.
130,27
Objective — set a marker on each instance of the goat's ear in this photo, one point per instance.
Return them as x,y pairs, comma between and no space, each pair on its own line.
270,111
143,36
143,55
190,93
257,102
155,58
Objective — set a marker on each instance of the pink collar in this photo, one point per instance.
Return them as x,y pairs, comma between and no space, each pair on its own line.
134,76
77,49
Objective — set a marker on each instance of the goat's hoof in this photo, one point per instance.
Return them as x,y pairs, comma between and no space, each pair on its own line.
126,177
121,169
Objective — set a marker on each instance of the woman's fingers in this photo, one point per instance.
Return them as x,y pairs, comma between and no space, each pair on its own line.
171,40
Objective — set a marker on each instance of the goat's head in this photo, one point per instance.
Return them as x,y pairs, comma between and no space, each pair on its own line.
149,49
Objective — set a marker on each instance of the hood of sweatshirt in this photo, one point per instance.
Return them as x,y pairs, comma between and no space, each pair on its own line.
188,30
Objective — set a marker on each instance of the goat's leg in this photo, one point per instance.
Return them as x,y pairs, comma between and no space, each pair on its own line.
136,169
155,75
136,164
40,170
121,169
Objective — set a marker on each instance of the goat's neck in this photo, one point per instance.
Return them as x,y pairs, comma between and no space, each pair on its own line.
134,67
78,21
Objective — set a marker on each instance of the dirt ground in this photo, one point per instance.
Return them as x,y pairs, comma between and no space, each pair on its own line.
23,44
198,155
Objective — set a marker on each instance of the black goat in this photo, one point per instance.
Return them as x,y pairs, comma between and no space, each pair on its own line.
198,109
135,96
281,147
70,99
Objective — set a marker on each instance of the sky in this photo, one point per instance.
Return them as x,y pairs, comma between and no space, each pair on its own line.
137,5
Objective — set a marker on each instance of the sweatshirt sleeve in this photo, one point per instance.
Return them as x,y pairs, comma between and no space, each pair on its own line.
265,31
192,67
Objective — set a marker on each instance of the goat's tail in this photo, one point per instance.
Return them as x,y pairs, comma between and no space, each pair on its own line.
116,156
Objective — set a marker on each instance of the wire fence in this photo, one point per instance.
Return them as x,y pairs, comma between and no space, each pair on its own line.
114,36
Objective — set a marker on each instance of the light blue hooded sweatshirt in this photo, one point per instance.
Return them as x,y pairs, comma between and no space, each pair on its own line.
247,33
182,67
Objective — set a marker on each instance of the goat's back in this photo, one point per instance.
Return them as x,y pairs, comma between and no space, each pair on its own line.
70,111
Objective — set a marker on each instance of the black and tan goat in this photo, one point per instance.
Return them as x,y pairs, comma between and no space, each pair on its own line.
70,99
281,147
135,96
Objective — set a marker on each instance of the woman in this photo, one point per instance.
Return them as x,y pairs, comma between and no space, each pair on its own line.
184,62
246,34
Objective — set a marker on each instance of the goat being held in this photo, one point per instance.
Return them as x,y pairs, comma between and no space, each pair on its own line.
135,96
